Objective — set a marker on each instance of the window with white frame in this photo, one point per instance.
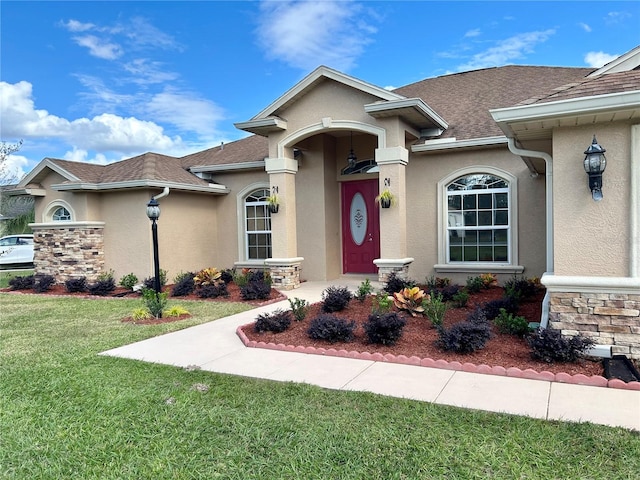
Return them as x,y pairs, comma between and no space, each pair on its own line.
257,222
478,219
61,214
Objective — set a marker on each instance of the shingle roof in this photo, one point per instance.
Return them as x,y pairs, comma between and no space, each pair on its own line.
464,99
250,149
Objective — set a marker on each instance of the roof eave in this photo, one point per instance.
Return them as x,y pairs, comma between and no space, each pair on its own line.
46,163
214,189
227,167
413,110
263,126
440,145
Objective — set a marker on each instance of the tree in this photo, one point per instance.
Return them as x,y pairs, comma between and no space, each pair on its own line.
6,149
16,212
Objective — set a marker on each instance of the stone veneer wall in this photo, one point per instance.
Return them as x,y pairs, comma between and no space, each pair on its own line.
607,318
68,252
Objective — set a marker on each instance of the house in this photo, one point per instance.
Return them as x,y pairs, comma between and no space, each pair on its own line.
486,168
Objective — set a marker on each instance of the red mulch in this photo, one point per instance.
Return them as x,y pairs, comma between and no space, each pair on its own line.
419,338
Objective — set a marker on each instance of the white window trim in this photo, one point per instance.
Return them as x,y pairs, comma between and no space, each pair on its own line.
47,216
474,267
243,260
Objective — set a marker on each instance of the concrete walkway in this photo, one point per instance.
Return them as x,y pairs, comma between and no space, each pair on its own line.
215,347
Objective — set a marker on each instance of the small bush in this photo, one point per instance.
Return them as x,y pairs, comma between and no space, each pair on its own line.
129,281
478,316
474,284
335,299
241,278
464,337
550,346
102,287
213,291
276,322
150,282
411,300
385,329
184,286
493,307
510,324
299,308
182,275
382,303
175,311
74,285
364,290
141,314
226,276
259,276
155,303
43,283
488,280
331,329
22,283
435,309
208,276
460,299
395,284
255,290
434,283
520,289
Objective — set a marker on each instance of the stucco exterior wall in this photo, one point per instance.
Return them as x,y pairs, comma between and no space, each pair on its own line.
591,238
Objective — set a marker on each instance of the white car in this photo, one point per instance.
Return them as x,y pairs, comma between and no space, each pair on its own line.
16,249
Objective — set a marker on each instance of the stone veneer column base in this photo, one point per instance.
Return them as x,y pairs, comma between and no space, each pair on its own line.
609,314
285,272
68,250
387,266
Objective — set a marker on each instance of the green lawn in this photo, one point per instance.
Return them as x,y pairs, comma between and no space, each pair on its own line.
67,413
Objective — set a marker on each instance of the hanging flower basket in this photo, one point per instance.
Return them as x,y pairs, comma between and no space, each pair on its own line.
273,208
386,199
273,204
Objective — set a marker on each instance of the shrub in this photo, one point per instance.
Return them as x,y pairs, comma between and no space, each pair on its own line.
226,276
213,291
384,329
447,292
435,309
464,337
437,282
331,329
241,278
102,287
520,289
43,283
493,307
395,284
364,290
182,275
141,314
474,284
299,308
488,280
382,303
255,290
477,316
411,300
510,324
184,286
150,282
129,281
550,346
155,303
335,299
259,276
175,311
74,285
460,299
22,283
208,276
276,322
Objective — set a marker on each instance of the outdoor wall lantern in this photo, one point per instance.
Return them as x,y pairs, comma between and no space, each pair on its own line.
351,158
153,212
594,164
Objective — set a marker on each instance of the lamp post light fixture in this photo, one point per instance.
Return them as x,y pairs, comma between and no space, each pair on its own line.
594,164
351,158
153,212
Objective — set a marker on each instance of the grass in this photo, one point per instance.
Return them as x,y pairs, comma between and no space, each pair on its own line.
66,412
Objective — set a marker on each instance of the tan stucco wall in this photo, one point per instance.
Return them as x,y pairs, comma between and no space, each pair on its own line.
591,238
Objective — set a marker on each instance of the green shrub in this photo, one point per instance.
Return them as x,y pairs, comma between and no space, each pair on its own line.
331,329
299,308
129,281
382,303
175,311
435,309
433,283
155,303
276,322
474,284
460,299
141,314
150,282
384,329
364,290
335,299
550,346
510,324
520,288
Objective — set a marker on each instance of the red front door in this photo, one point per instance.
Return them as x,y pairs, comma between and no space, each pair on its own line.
360,227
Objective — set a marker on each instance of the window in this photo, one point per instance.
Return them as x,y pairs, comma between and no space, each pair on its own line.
61,214
478,219
257,225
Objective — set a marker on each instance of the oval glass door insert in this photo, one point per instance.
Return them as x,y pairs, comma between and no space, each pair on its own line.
358,219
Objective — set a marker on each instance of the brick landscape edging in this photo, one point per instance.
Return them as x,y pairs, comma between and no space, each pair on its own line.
530,374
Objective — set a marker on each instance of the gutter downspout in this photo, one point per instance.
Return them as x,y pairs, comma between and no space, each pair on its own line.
548,160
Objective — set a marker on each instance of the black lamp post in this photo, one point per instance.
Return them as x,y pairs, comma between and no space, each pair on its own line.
153,212
594,164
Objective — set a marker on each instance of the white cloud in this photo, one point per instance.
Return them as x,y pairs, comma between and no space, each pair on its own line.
99,47
613,18
307,34
507,50
473,33
146,72
585,27
598,59
76,26
14,167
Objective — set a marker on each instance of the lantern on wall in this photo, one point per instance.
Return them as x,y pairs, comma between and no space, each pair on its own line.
594,164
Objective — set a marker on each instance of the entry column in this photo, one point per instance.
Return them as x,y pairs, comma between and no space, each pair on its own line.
284,264
392,162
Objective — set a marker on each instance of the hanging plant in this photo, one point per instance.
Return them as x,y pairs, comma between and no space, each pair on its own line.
272,202
386,198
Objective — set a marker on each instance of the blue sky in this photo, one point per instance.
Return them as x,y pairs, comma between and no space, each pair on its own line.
103,81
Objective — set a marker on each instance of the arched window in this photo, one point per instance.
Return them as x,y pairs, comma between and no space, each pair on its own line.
61,214
478,219
257,225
